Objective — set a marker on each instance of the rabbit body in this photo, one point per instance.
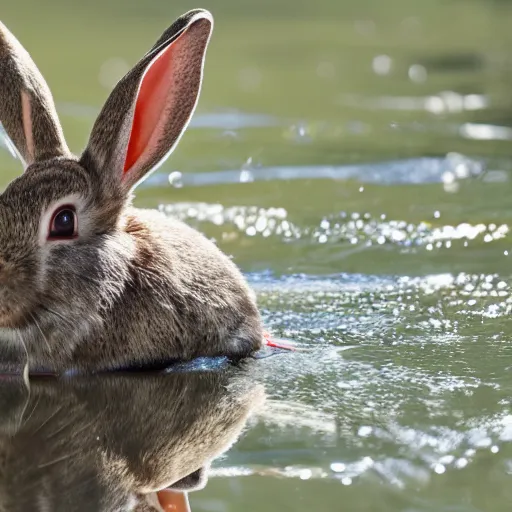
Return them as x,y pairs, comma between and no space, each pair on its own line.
88,281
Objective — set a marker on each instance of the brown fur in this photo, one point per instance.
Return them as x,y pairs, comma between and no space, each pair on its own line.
104,443
18,74
134,287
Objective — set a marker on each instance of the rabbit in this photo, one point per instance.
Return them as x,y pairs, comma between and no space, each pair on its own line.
113,442
87,281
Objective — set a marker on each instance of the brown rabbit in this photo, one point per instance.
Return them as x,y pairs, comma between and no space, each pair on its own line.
86,280
109,443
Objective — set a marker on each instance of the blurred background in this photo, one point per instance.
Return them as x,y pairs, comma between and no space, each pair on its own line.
316,105
354,156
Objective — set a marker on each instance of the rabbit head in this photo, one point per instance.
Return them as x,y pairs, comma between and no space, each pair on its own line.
74,254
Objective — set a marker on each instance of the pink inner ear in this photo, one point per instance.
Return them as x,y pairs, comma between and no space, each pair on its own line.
27,126
152,100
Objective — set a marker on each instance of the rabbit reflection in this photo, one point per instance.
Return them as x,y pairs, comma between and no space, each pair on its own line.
110,442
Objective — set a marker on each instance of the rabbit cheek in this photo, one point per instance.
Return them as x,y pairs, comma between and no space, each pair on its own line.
16,296
11,318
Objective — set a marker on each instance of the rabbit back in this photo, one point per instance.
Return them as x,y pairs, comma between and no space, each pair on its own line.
184,298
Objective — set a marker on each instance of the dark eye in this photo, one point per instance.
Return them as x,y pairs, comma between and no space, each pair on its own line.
64,223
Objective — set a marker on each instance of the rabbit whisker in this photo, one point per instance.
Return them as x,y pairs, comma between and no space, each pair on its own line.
25,378
60,459
42,333
26,420
24,345
52,415
65,320
59,430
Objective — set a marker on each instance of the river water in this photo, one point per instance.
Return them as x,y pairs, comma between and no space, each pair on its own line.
355,159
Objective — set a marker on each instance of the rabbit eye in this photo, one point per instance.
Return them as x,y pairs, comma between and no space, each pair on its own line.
64,224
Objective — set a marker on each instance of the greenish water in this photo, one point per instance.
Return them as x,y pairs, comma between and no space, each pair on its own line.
355,159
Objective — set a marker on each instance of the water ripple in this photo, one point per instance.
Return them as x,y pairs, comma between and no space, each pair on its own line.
453,166
351,227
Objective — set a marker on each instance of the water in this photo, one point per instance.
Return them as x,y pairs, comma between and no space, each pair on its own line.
354,158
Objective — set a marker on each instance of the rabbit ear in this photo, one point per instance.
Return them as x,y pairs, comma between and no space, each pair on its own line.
148,110
27,111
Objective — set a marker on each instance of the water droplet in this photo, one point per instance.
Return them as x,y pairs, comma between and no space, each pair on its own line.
398,236
439,469
382,64
338,467
305,474
417,73
461,463
246,176
453,101
364,431
300,133
448,177
175,179
325,224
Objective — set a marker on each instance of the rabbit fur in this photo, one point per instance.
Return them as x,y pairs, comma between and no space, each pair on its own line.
131,286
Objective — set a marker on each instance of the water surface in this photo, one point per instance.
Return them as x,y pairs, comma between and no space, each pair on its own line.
354,158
